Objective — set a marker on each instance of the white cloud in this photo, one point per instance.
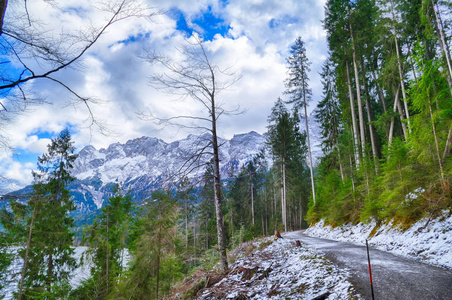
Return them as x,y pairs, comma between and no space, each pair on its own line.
256,46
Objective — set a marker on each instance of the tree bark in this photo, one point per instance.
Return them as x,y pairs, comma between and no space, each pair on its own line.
444,45
402,119
369,123
217,190
252,198
394,109
27,250
352,109
440,162
402,84
3,5
381,96
358,94
307,134
399,65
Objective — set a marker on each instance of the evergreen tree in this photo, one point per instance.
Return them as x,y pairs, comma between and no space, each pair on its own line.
286,144
157,260
107,240
48,254
206,210
297,85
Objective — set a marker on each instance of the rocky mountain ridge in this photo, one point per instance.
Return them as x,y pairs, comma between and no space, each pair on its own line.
145,163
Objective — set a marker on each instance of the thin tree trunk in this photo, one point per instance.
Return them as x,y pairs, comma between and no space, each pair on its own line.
252,198
341,169
369,122
159,241
49,279
3,5
399,65
27,250
307,134
217,189
394,109
353,178
402,118
447,148
186,224
108,255
358,94
444,45
402,83
284,197
440,162
352,109
381,96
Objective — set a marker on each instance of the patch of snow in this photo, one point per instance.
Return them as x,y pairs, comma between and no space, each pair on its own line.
428,240
282,271
97,195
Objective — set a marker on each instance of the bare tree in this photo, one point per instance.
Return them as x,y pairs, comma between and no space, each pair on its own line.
196,78
31,50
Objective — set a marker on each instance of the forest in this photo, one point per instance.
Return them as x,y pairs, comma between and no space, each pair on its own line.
386,120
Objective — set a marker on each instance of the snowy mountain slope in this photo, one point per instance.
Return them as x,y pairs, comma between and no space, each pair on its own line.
143,164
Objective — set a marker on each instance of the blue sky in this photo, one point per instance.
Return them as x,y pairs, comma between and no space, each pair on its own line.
252,37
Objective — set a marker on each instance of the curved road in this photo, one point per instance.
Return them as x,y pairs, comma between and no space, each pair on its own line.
394,277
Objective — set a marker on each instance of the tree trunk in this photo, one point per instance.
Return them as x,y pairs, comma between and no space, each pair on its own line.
402,119
217,191
107,261
341,169
402,83
159,241
369,123
3,5
27,250
381,96
447,148
394,109
307,134
284,204
443,44
352,109
399,65
252,198
440,162
358,94
49,279
186,224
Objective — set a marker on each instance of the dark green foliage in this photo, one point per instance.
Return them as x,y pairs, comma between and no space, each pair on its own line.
288,148
107,241
157,261
42,226
412,179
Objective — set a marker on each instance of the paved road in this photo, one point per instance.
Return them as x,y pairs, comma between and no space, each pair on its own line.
393,277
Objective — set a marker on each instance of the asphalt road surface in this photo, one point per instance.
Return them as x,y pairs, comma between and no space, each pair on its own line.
394,277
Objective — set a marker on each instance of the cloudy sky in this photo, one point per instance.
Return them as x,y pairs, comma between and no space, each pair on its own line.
251,36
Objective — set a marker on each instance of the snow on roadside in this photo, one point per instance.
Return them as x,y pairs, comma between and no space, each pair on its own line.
281,270
428,240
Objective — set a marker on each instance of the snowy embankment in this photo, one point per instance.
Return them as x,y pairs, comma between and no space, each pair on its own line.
266,268
428,240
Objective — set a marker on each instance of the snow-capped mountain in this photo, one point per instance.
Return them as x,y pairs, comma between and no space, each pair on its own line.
143,164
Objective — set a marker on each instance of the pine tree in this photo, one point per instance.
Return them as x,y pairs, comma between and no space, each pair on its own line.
297,86
157,260
286,145
48,233
107,240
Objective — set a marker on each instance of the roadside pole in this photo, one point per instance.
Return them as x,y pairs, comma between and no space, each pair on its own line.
370,270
